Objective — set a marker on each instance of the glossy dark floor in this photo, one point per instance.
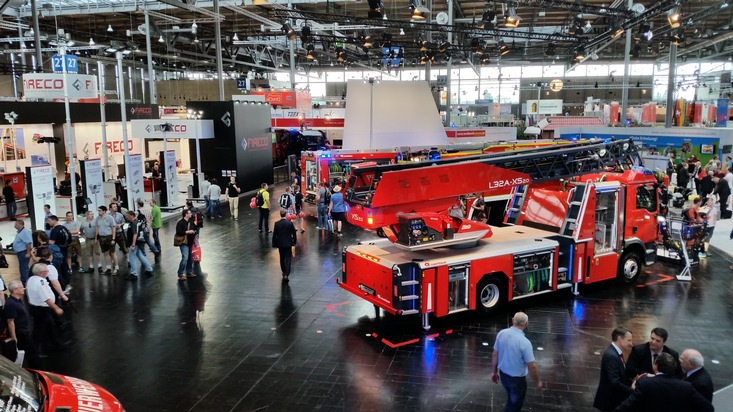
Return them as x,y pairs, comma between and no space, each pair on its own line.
237,339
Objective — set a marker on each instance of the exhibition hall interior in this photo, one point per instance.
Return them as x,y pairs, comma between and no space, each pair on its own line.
405,205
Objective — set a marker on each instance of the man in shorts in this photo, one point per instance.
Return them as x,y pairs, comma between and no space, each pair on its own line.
105,235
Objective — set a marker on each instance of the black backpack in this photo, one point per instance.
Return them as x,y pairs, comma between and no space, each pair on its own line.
260,201
64,237
285,201
327,197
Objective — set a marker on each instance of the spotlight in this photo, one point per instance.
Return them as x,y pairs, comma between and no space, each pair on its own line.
289,32
511,19
368,41
424,45
674,18
580,53
375,9
305,33
310,52
645,31
488,20
402,32
503,48
635,51
485,59
340,54
678,37
386,40
617,29
235,37
161,39
443,47
419,12
110,29
550,50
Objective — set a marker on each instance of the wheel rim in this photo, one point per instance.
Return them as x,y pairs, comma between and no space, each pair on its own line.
490,295
631,268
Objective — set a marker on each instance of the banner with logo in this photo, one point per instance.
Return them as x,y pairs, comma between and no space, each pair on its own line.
171,183
135,180
173,129
722,115
40,192
93,188
253,141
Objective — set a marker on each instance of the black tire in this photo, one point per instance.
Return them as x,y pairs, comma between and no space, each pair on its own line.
629,267
490,294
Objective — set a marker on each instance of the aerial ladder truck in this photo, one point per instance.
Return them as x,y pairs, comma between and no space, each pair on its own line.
579,213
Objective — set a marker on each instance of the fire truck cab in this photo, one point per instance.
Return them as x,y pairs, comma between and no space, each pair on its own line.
557,233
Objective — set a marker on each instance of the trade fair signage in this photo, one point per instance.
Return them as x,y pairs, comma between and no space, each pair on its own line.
170,176
72,63
93,189
173,129
549,106
40,192
51,86
135,180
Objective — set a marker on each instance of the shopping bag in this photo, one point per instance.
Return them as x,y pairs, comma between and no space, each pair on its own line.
329,224
196,250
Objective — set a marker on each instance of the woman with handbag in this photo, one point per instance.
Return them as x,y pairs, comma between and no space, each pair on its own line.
185,233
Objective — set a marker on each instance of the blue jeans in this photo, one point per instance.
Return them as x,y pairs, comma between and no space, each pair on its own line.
206,203
186,265
156,238
214,203
322,214
23,267
151,244
12,208
138,254
516,390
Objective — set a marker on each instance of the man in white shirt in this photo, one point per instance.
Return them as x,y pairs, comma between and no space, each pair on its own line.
42,306
204,191
214,202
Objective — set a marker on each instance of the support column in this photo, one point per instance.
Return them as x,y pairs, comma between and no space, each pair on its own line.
125,142
103,119
448,65
149,54
670,84
291,49
68,134
219,63
625,89
36,33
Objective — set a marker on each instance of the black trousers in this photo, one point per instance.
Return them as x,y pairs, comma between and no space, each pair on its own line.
264,219
31,352
44,325
286,258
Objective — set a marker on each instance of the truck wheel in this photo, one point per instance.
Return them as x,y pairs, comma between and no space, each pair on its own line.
489,294
629,267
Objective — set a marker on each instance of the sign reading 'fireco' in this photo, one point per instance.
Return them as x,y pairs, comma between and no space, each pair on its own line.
51,86
173,129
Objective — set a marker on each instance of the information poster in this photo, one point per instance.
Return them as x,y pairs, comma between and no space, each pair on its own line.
170,177
40,192
93,188
722,117
137,187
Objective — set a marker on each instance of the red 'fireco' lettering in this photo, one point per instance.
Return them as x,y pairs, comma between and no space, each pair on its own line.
258,142
115,146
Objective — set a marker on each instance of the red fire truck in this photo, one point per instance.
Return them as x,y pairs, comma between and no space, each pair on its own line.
578,213
334,165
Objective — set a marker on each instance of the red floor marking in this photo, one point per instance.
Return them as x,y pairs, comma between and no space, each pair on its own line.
434,335
332,308
397,345
662,279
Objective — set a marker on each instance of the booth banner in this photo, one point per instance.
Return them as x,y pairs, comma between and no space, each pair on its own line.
613,116
40,192
722,116
170,176
93,188
549,106
137,186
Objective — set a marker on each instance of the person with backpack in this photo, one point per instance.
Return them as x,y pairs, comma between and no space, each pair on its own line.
262,202
324,199
196,216
75,245
136,245
287,201
145,214
59,241
299,207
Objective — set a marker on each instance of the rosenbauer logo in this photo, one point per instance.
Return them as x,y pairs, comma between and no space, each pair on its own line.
517,181
256,143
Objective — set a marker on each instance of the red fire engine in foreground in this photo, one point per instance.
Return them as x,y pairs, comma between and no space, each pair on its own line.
578,213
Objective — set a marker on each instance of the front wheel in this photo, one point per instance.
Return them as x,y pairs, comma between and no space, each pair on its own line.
490,294
629,267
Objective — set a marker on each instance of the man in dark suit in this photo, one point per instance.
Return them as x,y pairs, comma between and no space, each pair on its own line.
283,238
664,392
642,356
693,364
614,385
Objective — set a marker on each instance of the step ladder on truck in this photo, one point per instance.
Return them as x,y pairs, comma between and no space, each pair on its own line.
579,213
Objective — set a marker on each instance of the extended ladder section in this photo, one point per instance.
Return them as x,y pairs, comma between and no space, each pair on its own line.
457,176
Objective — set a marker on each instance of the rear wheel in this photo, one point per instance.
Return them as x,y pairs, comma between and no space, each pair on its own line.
629,267
490,294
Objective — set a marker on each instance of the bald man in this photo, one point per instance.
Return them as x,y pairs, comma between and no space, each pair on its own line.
512,360
693,364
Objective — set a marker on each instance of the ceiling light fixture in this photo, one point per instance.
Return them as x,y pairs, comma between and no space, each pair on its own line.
235,37
580,53
375,9
305,33
443,47
550,50
110,29
488,20
310,52
91,41
419,12
674,17
678,37
161,39
196,40
503,48
194,27
511,19
617,29
289,32
368,41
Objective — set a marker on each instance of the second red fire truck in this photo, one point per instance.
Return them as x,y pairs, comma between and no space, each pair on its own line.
579,213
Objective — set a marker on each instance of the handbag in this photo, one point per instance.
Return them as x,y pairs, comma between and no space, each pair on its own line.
179,240
3,262
196,250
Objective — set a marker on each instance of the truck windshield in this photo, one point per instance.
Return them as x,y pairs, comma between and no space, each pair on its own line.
19,389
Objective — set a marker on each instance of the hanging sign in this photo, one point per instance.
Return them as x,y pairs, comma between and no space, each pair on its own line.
51,85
